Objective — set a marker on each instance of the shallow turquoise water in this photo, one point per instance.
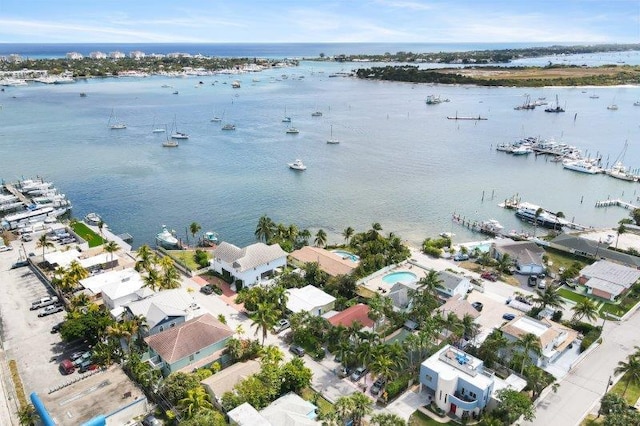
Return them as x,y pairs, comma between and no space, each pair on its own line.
396,277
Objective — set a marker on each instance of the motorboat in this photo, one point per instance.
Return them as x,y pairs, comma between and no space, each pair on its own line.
229,127
556,108
170,144
166,239
522,150
619,171
612,107
210,239
636,103
179,135
93,219
297,165
316,114
582,166
216,119
490,227
538,216
235,84
293,130
435,99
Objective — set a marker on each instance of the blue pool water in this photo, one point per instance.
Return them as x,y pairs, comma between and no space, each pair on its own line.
347,255
395,277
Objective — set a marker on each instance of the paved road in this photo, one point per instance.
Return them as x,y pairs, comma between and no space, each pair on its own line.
581,390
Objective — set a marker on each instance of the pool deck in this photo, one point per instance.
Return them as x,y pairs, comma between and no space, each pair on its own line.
375,283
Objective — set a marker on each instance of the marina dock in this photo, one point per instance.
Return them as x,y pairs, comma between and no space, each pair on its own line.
617,202
12,189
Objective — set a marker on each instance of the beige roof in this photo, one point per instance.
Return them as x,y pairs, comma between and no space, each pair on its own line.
329,262
459,306
249,257
188,338
545,329
224,380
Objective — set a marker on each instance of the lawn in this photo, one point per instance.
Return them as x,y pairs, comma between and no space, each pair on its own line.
571,295
324,406
560,259
633,391
87,234
186,258
418,418
616,310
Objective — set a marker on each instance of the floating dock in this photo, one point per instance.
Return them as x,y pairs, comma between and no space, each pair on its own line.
617,202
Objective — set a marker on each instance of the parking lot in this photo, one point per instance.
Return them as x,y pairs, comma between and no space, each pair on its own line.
27,338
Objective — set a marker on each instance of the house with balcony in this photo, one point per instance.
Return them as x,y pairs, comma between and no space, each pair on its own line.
250,265
608,280
117,287
453,284
196,343
553,338
457,381
164,310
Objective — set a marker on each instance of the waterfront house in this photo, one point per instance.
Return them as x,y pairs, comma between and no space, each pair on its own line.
526,255
453,284
63,259
248,266
401,294
329,262
117,287
553,338
196,343
459,307
225,380
592,250
288,410
310,299
355,314
607,279
458,382
164,310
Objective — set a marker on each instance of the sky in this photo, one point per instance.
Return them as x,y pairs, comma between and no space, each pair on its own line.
315,21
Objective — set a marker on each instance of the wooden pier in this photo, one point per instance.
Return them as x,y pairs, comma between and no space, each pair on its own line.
616,202
12,189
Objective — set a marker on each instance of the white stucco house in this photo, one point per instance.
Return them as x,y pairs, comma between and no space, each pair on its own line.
310,299
250,265
452,284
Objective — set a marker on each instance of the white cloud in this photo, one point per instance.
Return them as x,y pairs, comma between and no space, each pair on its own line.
411,5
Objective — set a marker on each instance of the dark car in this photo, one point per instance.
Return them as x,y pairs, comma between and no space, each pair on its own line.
508,317
56,328
477,306
20,264
344,372
87,365
358,374
206,289
377,386
490,276
151,420
532,281
296,350
67,367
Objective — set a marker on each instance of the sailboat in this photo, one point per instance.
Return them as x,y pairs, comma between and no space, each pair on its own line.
155,129
176,134
331,140
217,119
286,118
557,108
114,124
618,170
613,106
169,143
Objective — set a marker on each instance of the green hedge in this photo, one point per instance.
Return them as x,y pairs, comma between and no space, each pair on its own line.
397,386
589,338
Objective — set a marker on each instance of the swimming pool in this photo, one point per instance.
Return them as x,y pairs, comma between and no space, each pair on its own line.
404,277
346,255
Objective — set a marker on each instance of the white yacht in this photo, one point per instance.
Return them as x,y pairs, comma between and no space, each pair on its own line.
535,214
522,150
179,135
491,227
229,127
93,218
293,131
582,166
297,165
166,239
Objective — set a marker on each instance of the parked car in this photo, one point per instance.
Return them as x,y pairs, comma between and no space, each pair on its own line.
77,354
87,365
460,257
43,302
5,248
282,324
56,328
508,316
206,289
52,309
489,276
358,374
296,350
542,284
377,386
83,358
151,420
523,299
67,367
532,281
20,264
344,372
477,306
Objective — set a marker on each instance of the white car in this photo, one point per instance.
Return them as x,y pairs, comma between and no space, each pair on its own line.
5,248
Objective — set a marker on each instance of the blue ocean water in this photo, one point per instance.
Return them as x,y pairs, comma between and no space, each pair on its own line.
400,162
265,50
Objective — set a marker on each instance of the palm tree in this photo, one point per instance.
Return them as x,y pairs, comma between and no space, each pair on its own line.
529,343
387,419
111,247
348,233
344,407
469,328
537,380
170,278
196,399
27,415
194,228
321,238
430,283
535,222
631,371
271,355
44,243
146,258
265,317
549,297
362,406
100,226
504,263
382,365
585,308
152,279
621,228
265,229
305,234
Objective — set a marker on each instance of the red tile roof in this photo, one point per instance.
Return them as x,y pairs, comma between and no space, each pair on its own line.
346,318
188,338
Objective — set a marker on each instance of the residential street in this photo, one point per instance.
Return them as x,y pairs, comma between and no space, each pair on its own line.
582,388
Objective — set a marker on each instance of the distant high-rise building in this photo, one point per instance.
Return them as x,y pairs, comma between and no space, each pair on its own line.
116,55
98,55
74,55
